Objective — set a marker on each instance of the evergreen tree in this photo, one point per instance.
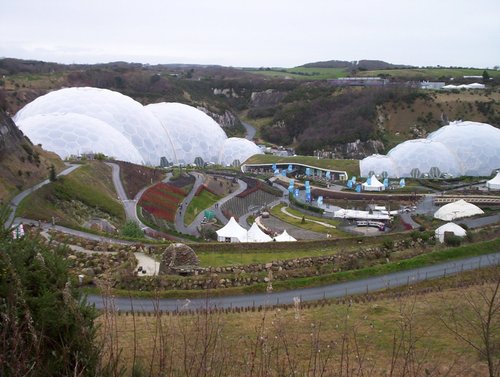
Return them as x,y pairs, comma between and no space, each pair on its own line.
486,76
46,327
52,173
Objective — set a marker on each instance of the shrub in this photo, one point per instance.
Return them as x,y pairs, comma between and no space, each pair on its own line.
132,229
388,244
452,240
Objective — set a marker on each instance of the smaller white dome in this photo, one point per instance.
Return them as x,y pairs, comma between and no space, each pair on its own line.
379,165
236,151
69,134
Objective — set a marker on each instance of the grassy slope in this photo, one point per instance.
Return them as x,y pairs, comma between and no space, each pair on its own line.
370,327
351,166
199,203
91,185
398,119
18,173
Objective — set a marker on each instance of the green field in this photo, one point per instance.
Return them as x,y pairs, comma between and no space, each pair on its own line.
199,203
350,166
302,73
430,73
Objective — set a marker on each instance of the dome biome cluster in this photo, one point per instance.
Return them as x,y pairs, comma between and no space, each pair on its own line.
458,149
76,121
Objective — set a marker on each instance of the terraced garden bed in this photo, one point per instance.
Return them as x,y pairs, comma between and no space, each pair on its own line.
162,201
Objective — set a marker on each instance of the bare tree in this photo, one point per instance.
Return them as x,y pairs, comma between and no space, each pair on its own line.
476,321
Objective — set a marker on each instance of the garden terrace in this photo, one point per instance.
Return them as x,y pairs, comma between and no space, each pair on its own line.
136,177
162,201
238,206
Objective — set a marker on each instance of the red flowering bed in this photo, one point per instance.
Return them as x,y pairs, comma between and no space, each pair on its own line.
162,201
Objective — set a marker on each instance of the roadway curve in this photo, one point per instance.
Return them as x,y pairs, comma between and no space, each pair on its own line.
308,294
179,215
250,131
14,203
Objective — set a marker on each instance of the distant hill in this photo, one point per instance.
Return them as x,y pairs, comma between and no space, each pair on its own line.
364,65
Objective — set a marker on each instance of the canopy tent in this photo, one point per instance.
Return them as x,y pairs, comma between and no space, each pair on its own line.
457,210
361,215
494,183
449,228
232,232
284,237
373,184
255,234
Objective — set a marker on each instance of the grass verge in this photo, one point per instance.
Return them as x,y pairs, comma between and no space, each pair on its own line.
199,203
350,166
307,224
456,253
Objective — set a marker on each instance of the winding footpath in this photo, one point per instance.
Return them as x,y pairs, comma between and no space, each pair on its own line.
332,291
14,203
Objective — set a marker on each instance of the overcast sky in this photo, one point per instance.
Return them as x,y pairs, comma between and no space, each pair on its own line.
255,33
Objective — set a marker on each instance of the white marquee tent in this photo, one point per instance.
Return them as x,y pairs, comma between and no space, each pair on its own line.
232,232
373,184
494,183
284,237
361,215
255,234
451,228
457,210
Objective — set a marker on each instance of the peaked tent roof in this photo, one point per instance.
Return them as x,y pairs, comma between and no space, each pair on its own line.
457,230
494,183
233,230
457,210
284,237
255,234
374,182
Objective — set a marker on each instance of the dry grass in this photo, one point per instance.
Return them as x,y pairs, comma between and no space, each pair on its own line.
389,337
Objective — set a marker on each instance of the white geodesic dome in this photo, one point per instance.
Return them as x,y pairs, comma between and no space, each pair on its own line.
460,148
70,134
192,132
379,165
122,113
477,145
424,155
236,151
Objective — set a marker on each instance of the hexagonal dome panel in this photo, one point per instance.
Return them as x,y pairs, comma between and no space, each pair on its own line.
236,150
477,145
424,154
122,113
192,132
73,134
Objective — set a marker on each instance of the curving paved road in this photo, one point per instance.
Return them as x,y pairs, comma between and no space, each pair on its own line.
179,215
309,294
250,130
18,198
